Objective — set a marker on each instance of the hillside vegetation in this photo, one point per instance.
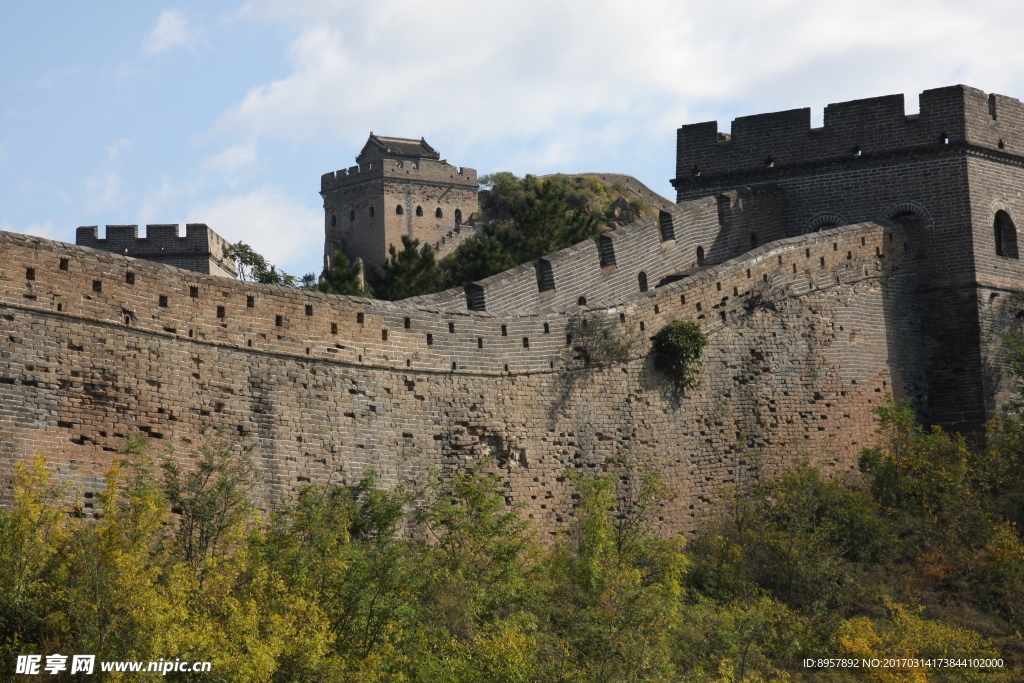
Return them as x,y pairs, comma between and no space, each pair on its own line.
522,220
923,558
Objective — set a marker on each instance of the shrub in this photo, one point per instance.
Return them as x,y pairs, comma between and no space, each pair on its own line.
677,348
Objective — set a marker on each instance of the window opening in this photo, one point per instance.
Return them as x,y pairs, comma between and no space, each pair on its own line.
1005,236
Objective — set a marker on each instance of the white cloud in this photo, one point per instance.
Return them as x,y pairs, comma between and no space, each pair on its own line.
155,204
233,159
288,233
104,188
172,30
546,79
104,191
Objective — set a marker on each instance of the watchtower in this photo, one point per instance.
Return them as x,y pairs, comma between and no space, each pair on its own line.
954,172
398,187
200,249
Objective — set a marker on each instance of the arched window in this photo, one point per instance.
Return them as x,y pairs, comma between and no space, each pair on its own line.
582,301
352,215
438,213
419,210
458,215
371,212
334,221
700,256
398,209
753,240
1006,236
642,278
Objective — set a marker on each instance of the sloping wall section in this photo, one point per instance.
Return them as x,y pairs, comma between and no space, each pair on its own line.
807,335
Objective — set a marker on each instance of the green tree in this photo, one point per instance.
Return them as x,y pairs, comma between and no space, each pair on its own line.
253,267
410,272
528,218
476,259
543,221
212,500
342,277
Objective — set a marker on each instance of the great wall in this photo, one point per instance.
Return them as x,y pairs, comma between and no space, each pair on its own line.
828,268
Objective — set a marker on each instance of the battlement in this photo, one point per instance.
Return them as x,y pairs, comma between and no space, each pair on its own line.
766,144
101,345
426,334
199,249
424,170
636,258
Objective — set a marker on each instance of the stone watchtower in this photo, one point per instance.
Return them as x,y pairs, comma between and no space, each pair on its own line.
954,173
199,249
398,187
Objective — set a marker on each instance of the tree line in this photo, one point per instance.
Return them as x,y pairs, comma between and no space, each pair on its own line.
523,220
921,556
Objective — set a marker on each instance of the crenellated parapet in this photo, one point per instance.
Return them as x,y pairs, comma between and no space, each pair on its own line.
421,170
199,249
764,145
99,346
630,260
399,188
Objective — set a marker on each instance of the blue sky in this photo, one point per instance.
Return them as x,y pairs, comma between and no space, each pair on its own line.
228,113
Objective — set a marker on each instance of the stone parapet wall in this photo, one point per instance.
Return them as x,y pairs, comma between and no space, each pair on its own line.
646,251
424,170
804,344
199,249
764,144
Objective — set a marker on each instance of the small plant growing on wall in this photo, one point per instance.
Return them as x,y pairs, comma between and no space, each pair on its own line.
594,339
677,351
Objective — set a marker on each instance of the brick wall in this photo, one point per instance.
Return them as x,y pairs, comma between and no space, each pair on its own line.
947,170
385,185
807,334
200,249
648,250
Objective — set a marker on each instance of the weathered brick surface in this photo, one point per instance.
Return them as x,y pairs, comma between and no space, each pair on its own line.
361,205
81,368
949,169
852,261
199,249
646,251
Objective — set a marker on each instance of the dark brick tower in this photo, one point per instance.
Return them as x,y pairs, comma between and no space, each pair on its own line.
399,187
954,173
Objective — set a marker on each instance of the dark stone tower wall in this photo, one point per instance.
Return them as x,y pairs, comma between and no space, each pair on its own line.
945,171
431,194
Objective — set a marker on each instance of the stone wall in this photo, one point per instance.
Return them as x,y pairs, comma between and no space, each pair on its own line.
807,335
200,249
639,256
946,171
421,189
